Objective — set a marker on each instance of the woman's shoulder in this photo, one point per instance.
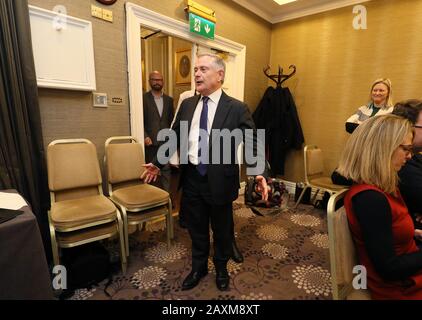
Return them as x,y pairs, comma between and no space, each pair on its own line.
364,107
362,187
365,194
388,109
355,118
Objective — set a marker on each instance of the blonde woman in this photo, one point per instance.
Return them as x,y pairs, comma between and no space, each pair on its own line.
380,102
379,220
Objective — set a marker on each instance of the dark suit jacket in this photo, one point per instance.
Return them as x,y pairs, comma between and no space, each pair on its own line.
152,120
410,185
231,114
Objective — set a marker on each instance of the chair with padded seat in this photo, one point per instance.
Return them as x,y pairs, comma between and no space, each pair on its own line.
343,256
80,213
314,174
139,202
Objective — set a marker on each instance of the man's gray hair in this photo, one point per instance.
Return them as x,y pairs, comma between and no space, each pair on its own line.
218,63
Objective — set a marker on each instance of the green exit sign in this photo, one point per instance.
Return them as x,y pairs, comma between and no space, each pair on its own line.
201,26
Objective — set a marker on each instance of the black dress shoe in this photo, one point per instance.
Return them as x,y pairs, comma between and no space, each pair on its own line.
193,279
236,254
222,280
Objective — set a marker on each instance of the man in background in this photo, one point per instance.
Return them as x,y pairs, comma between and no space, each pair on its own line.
158,114
411,173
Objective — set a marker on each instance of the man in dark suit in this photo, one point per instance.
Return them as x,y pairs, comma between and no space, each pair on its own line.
236,255
410,175
209,189
158,114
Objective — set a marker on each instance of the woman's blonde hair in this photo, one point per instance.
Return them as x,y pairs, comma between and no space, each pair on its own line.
389,102
367,156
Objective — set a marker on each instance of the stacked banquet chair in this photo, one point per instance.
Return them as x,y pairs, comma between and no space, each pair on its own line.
79,213
314,173
138,202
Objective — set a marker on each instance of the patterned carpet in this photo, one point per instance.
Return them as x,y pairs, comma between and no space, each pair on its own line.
286,258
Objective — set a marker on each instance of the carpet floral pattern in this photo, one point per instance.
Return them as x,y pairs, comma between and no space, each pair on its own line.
286,257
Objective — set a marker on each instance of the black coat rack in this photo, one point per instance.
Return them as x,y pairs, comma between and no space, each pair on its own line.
280,77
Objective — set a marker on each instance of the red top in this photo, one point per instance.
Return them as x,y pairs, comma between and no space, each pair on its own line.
403,233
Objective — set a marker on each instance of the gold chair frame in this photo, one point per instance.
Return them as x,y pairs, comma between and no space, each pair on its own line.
309,183
152,212
343,256
95,231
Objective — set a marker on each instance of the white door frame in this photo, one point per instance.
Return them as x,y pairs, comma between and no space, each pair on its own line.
136,17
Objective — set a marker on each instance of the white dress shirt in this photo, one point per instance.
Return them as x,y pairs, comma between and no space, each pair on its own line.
214,98
174,159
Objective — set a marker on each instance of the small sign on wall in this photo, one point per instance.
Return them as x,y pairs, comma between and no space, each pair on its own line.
201,26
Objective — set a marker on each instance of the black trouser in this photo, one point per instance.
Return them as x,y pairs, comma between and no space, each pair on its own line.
200,210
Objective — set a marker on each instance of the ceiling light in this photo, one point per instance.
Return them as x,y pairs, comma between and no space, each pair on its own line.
281,2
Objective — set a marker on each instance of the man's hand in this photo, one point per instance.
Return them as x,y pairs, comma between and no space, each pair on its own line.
262,187
418,234
148,141
151,173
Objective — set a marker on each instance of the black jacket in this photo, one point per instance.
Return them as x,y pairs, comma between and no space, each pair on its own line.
153,123
223,178
277,114
411,184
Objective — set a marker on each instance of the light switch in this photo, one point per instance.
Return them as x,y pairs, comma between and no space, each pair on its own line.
96,11
99,99
108,15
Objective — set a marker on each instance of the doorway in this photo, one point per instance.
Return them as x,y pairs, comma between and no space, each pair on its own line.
139,18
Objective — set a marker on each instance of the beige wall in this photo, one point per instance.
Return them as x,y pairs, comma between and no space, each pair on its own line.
335,67
68,114
337,64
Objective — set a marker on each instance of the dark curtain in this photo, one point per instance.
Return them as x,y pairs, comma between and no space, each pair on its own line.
22,158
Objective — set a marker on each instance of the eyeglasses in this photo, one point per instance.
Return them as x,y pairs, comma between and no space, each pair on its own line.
152,79
416,126
408,148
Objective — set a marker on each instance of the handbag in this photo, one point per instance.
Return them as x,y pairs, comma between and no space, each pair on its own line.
86,266
277,194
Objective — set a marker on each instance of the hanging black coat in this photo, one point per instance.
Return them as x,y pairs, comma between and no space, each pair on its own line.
277,114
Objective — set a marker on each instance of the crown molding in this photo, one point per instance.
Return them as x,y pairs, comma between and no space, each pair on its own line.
254,9
314,9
